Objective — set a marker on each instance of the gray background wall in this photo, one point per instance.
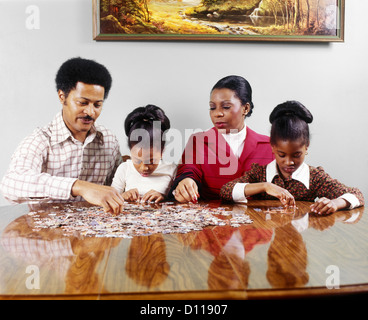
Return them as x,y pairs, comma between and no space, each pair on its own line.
329,78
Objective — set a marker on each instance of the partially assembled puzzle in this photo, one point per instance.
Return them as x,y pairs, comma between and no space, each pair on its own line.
137,219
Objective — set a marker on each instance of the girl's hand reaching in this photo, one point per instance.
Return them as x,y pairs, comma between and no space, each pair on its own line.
150,196
271,189
131,195
286,198
153,196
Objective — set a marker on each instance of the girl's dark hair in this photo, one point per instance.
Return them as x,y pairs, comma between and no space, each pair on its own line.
150,118
240,86
87,71
290,122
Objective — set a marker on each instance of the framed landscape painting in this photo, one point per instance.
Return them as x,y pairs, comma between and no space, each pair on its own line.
224,20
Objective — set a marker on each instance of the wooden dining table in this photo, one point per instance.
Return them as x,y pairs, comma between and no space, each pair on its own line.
278,255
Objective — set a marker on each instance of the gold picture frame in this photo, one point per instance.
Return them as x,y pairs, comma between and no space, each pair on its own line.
219,20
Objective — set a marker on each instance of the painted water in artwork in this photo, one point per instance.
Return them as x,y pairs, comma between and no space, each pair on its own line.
220,17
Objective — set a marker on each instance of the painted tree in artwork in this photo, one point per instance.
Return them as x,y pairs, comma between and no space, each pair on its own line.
109,7
211,2
308,14
297,13
125,8
301,16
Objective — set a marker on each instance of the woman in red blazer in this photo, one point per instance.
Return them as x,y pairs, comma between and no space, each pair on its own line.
221,154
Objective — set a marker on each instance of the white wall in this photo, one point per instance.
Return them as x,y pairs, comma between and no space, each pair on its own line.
330,79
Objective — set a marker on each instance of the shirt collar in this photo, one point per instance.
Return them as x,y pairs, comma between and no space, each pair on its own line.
237,136
302,174
236,140
60,132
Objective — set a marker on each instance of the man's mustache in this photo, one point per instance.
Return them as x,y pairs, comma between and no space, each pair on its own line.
88,118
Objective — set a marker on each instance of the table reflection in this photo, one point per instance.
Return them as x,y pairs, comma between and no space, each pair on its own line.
82,263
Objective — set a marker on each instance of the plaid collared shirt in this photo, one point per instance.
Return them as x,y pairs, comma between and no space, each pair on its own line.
48,162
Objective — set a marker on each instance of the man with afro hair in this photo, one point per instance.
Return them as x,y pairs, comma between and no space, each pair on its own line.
72,158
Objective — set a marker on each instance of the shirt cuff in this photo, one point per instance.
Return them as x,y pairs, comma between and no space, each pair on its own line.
238,193
59,188
352,199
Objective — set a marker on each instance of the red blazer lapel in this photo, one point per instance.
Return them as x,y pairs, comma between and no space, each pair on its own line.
250,145
224,153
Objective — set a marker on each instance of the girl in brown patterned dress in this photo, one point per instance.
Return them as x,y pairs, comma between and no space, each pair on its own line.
288,177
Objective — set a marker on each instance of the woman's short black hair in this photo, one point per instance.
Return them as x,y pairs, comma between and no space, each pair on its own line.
240,86
290,123
150,118
87,71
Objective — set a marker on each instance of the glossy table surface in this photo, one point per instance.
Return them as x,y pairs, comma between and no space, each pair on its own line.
278,255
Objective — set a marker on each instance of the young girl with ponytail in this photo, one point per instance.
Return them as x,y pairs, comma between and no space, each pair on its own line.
145,177
288,177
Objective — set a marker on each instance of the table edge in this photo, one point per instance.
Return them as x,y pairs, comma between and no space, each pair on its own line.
256,294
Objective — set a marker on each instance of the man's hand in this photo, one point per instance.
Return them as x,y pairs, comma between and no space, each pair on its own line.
106,197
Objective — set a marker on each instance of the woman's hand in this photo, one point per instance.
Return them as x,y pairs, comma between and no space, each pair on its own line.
282,194
186,191
327,206
153,196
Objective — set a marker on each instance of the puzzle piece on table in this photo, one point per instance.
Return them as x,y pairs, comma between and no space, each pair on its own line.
137,220
286,210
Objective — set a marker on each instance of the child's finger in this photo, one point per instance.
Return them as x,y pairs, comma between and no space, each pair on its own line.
135,194
291,202
320,206
159,199
133,197
328,208
287,199
146,197
152,197
324,209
